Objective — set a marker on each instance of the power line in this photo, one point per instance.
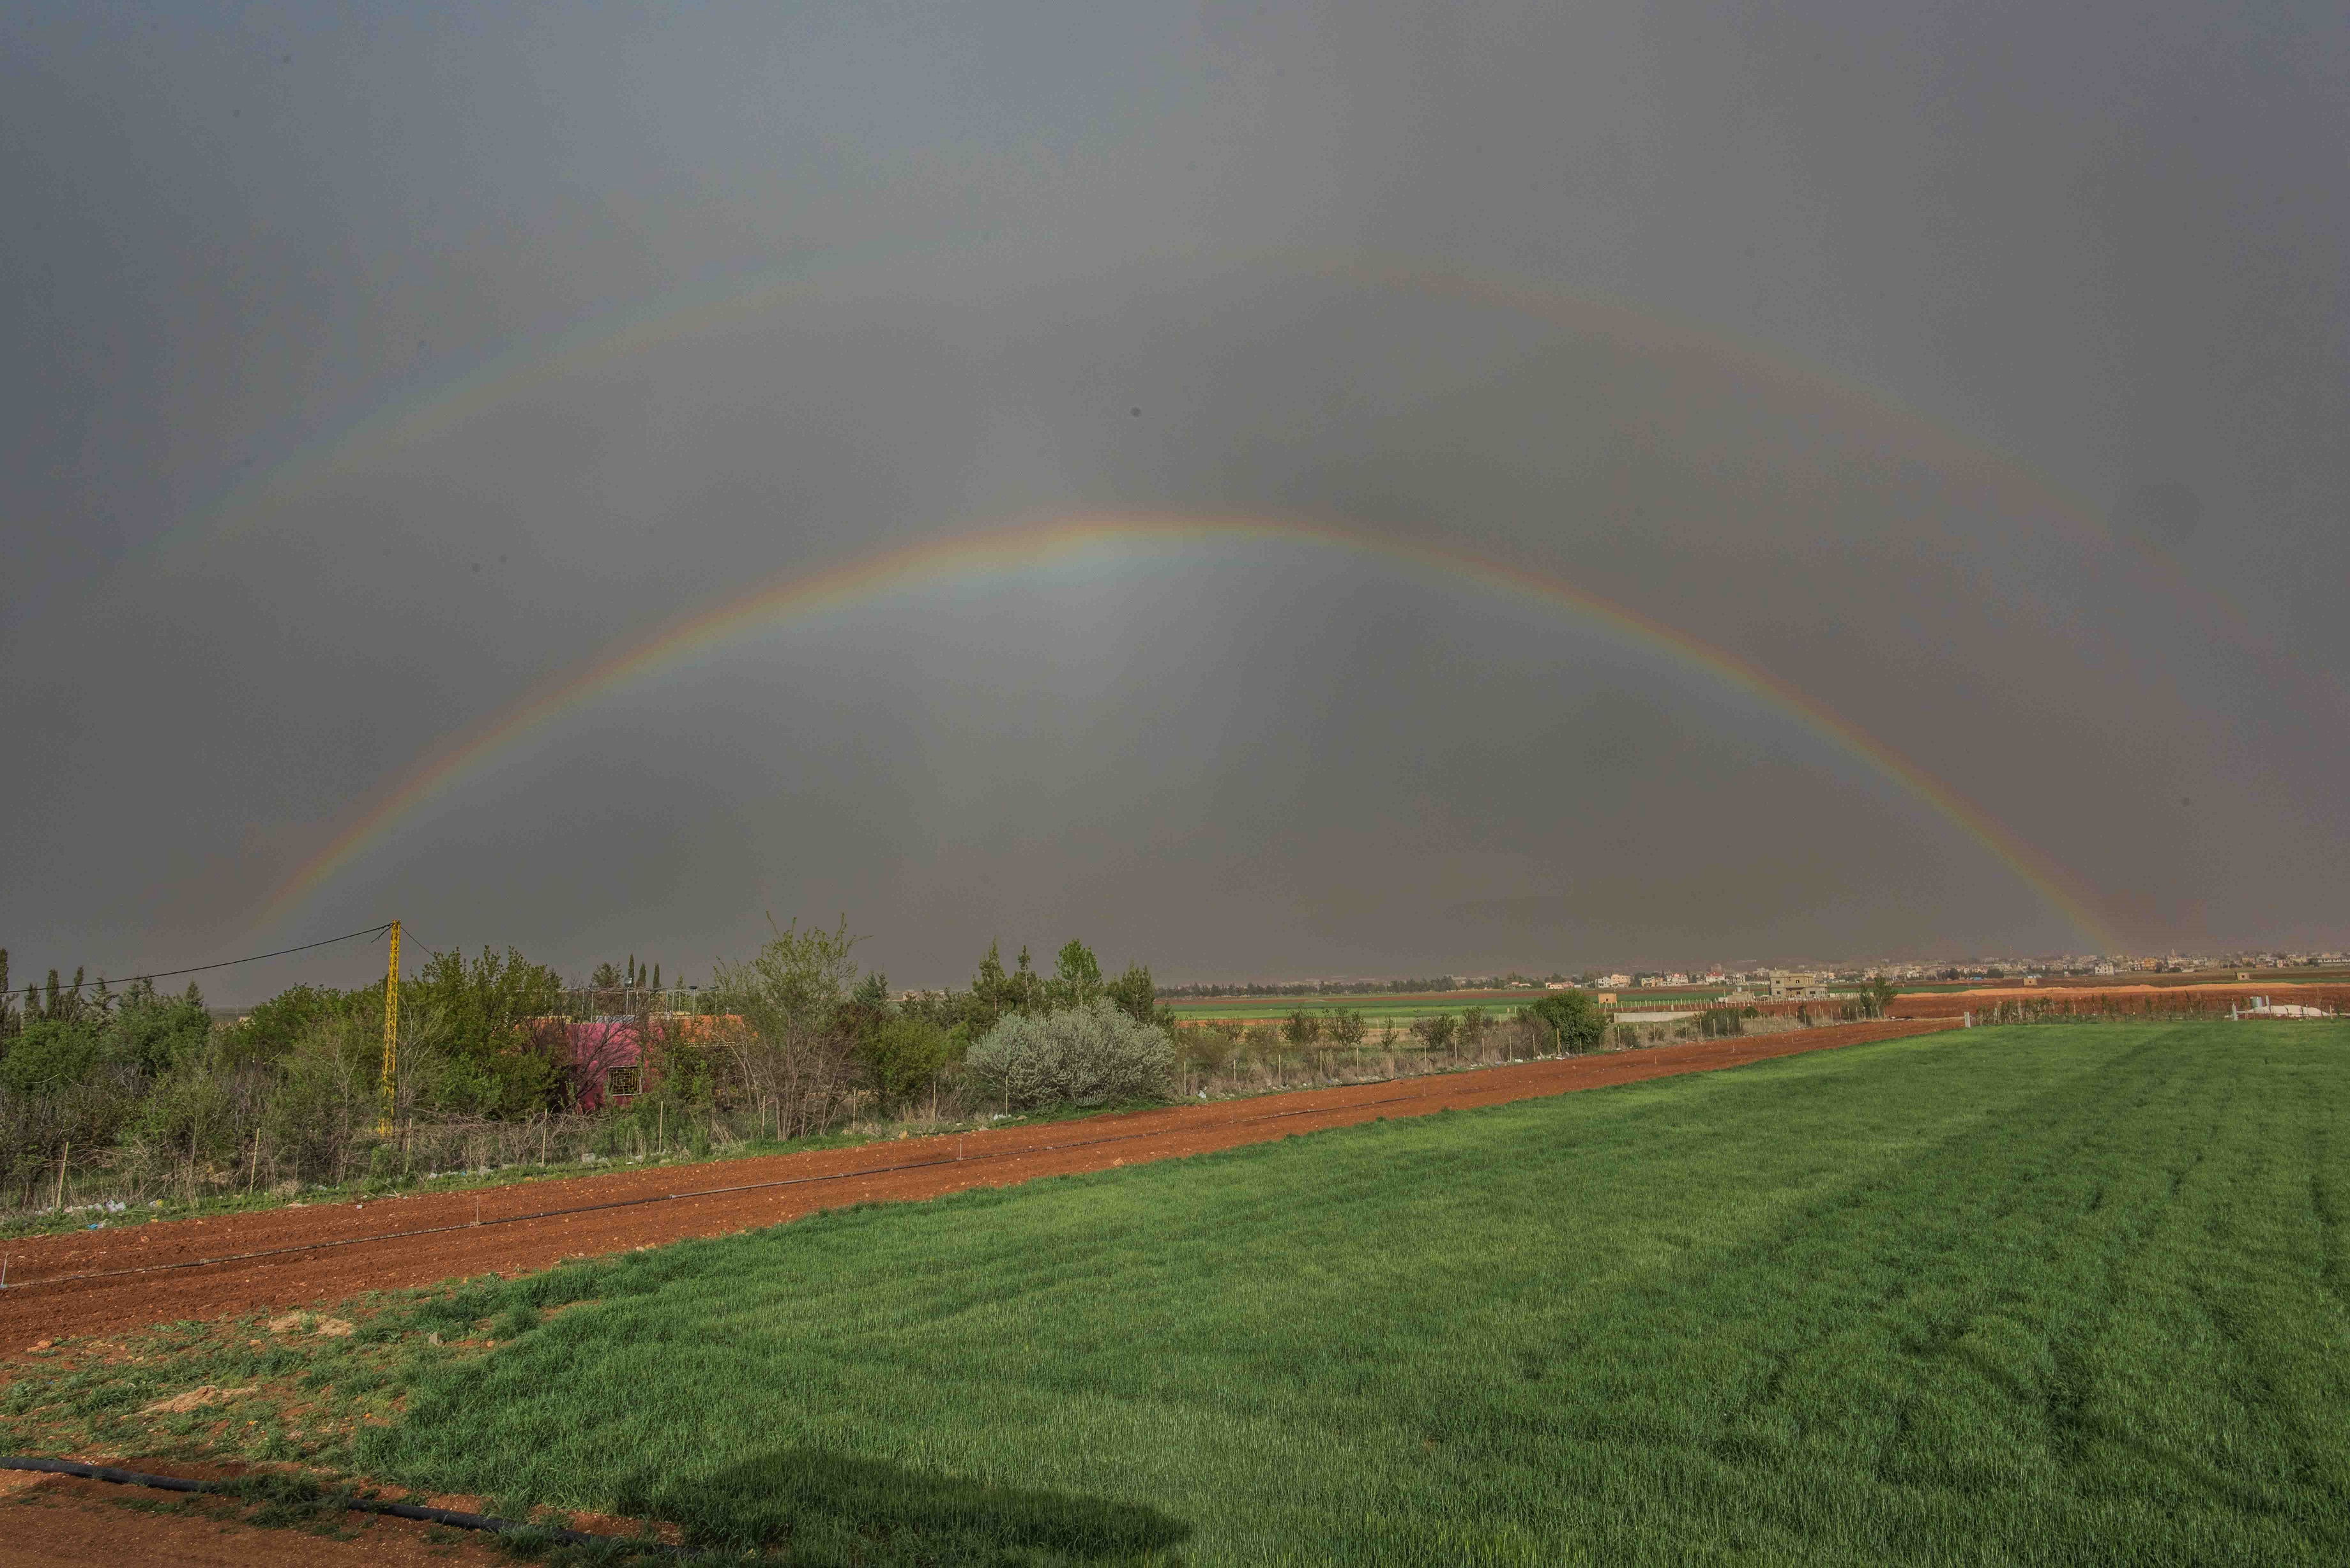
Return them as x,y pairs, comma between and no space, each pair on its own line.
201,968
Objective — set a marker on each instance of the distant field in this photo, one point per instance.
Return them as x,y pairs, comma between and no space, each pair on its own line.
2038,1295
1375,1008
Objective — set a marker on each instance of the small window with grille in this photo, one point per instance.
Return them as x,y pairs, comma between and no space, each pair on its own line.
623,1080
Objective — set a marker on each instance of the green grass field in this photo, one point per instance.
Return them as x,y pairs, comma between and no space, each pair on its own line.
2042,1295
1375,1008
2003,1296
1405,1010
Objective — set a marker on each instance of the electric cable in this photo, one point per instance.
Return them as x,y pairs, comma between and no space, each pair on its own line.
203,968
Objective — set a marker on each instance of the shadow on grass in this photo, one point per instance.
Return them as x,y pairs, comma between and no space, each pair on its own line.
827,1507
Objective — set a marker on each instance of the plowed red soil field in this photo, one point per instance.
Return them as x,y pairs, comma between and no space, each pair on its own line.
88,1281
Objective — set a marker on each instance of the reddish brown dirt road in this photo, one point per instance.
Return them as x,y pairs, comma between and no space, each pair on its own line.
209,1268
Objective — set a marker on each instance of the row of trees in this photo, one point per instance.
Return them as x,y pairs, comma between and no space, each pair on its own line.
143,1093
1571,1019
1330,987
147,1087
149,1084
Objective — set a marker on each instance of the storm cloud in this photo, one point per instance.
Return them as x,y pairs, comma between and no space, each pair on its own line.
1934,415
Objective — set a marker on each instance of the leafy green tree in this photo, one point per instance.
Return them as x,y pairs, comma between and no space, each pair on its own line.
1574,1021
50,1055
1878,996
872,994
490,1041
190,1116
796,985
322,1100
1028,986
903,1056
143,1035
1437,1031
996,992
990,993
1133,994
1345,1026
951,1011
270,1030
152,1033
1301,1028
681,1064
1077,978
68,1005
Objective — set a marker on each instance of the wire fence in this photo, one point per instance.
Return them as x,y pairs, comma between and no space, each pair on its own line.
285,1147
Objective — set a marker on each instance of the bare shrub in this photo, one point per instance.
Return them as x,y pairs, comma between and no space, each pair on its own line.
782,1033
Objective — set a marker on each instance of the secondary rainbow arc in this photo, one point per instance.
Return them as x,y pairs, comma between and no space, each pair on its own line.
799,592
714,304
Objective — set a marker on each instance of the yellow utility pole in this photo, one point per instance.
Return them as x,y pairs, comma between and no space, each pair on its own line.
391,1032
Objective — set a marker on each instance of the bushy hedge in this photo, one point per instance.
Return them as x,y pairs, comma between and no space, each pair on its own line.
130,1095
1088,1055
1572,1019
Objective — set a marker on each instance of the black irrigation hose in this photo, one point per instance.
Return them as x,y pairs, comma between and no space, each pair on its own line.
675,1197
448,1516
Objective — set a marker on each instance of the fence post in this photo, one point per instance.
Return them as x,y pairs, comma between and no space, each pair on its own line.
387,1095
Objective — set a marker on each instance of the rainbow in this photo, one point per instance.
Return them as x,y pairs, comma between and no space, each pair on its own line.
797,594
736,300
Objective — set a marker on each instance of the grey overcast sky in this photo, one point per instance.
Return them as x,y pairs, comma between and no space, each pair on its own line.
1957,394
